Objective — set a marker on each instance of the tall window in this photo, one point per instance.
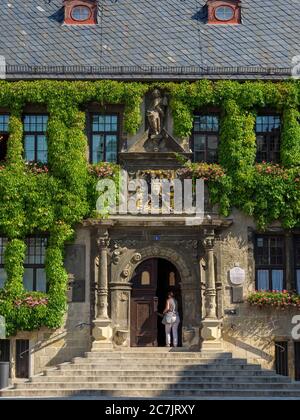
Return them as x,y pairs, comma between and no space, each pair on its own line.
297,262
3,275
104,142
206,138
35,140
268,138
34,265
269,259
4,121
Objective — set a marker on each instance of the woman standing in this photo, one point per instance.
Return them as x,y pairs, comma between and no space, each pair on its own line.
171,320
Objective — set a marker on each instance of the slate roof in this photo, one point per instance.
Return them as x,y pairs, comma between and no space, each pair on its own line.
150,39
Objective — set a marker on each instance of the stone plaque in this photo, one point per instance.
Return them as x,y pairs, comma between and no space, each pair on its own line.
75,257
237,295
237,276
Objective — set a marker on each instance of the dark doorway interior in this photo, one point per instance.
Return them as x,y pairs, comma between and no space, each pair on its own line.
4,350
297,360
151,282
22,358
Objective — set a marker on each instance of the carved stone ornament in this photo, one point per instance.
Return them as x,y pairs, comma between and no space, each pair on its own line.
117,252
156,117
103,240
125,273
156,113
136,258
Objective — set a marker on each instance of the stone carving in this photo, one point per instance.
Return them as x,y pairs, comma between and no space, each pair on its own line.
156,116
124,297
103,240
121,337
136,258
156,113
117,252
126,273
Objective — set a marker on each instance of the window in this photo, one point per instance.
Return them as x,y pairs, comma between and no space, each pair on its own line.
269,259
3,275
224,13
281,358
268,138
4,121
104,142
34,265
81,13
206,138
35,140
297,262
146,278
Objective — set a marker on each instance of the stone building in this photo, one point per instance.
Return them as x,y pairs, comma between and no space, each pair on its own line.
121,267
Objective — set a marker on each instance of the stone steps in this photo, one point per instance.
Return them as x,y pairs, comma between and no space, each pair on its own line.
155,386
156,373
186,367
161,355
146,393
159,379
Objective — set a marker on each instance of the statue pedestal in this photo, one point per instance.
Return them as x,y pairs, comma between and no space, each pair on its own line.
212,335
102,334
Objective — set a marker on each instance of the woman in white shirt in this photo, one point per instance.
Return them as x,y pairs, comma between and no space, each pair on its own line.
172,309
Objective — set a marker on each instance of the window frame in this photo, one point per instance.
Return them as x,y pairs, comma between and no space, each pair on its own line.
206,133
33,266
91,134
5,134
267,137
35,134
269,267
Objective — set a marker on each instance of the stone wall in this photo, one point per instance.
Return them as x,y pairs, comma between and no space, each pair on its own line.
252,332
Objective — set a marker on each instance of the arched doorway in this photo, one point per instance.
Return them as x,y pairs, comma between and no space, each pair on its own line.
151,282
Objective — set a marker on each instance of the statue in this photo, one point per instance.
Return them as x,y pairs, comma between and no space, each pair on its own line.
156,113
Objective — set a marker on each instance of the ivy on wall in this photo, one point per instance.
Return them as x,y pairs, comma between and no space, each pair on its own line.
55,198
267,192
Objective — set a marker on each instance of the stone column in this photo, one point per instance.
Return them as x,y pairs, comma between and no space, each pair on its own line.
102,289
211,325
210,289
102,332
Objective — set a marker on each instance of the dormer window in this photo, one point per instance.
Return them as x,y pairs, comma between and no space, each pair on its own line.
224,12
81,12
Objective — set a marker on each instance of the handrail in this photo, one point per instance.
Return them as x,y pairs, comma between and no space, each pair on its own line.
65,333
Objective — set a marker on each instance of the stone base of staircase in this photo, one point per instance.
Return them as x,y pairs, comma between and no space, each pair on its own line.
156,373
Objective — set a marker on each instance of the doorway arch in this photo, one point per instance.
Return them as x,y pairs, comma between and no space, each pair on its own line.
151,281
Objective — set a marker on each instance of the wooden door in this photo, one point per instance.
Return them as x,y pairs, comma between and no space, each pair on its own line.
144,305
22,358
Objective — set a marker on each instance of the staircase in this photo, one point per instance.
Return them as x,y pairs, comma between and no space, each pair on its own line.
156,373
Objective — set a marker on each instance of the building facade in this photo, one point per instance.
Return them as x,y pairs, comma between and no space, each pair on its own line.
208,83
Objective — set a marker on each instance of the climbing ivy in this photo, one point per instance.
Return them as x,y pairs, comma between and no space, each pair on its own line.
55,198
